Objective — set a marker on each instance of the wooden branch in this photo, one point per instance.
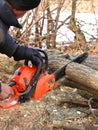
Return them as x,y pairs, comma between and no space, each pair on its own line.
66,126
73,101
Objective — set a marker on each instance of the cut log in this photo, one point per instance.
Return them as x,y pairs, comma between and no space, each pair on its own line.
57,59
81,89
81,76
85,76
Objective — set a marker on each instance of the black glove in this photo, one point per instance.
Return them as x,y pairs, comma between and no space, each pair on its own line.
28,53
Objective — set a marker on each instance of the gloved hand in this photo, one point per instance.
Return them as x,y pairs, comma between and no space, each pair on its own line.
28,53
5,92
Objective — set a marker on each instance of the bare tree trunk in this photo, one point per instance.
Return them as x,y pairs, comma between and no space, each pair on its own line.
79,36
37,33
60,5
50,25
49,20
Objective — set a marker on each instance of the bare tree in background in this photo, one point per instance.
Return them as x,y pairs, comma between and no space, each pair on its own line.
60,5
52,22
41,24
79,38
38,17
50,25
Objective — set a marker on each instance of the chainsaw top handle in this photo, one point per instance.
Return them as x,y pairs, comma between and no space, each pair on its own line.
44,57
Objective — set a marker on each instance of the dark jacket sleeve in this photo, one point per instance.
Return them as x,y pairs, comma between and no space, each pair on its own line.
8,46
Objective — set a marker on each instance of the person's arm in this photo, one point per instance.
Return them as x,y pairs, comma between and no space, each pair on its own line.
9,47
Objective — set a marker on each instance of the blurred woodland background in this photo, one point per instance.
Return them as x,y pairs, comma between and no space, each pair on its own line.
41,25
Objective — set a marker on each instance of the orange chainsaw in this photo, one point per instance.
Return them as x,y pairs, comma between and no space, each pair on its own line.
26,87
